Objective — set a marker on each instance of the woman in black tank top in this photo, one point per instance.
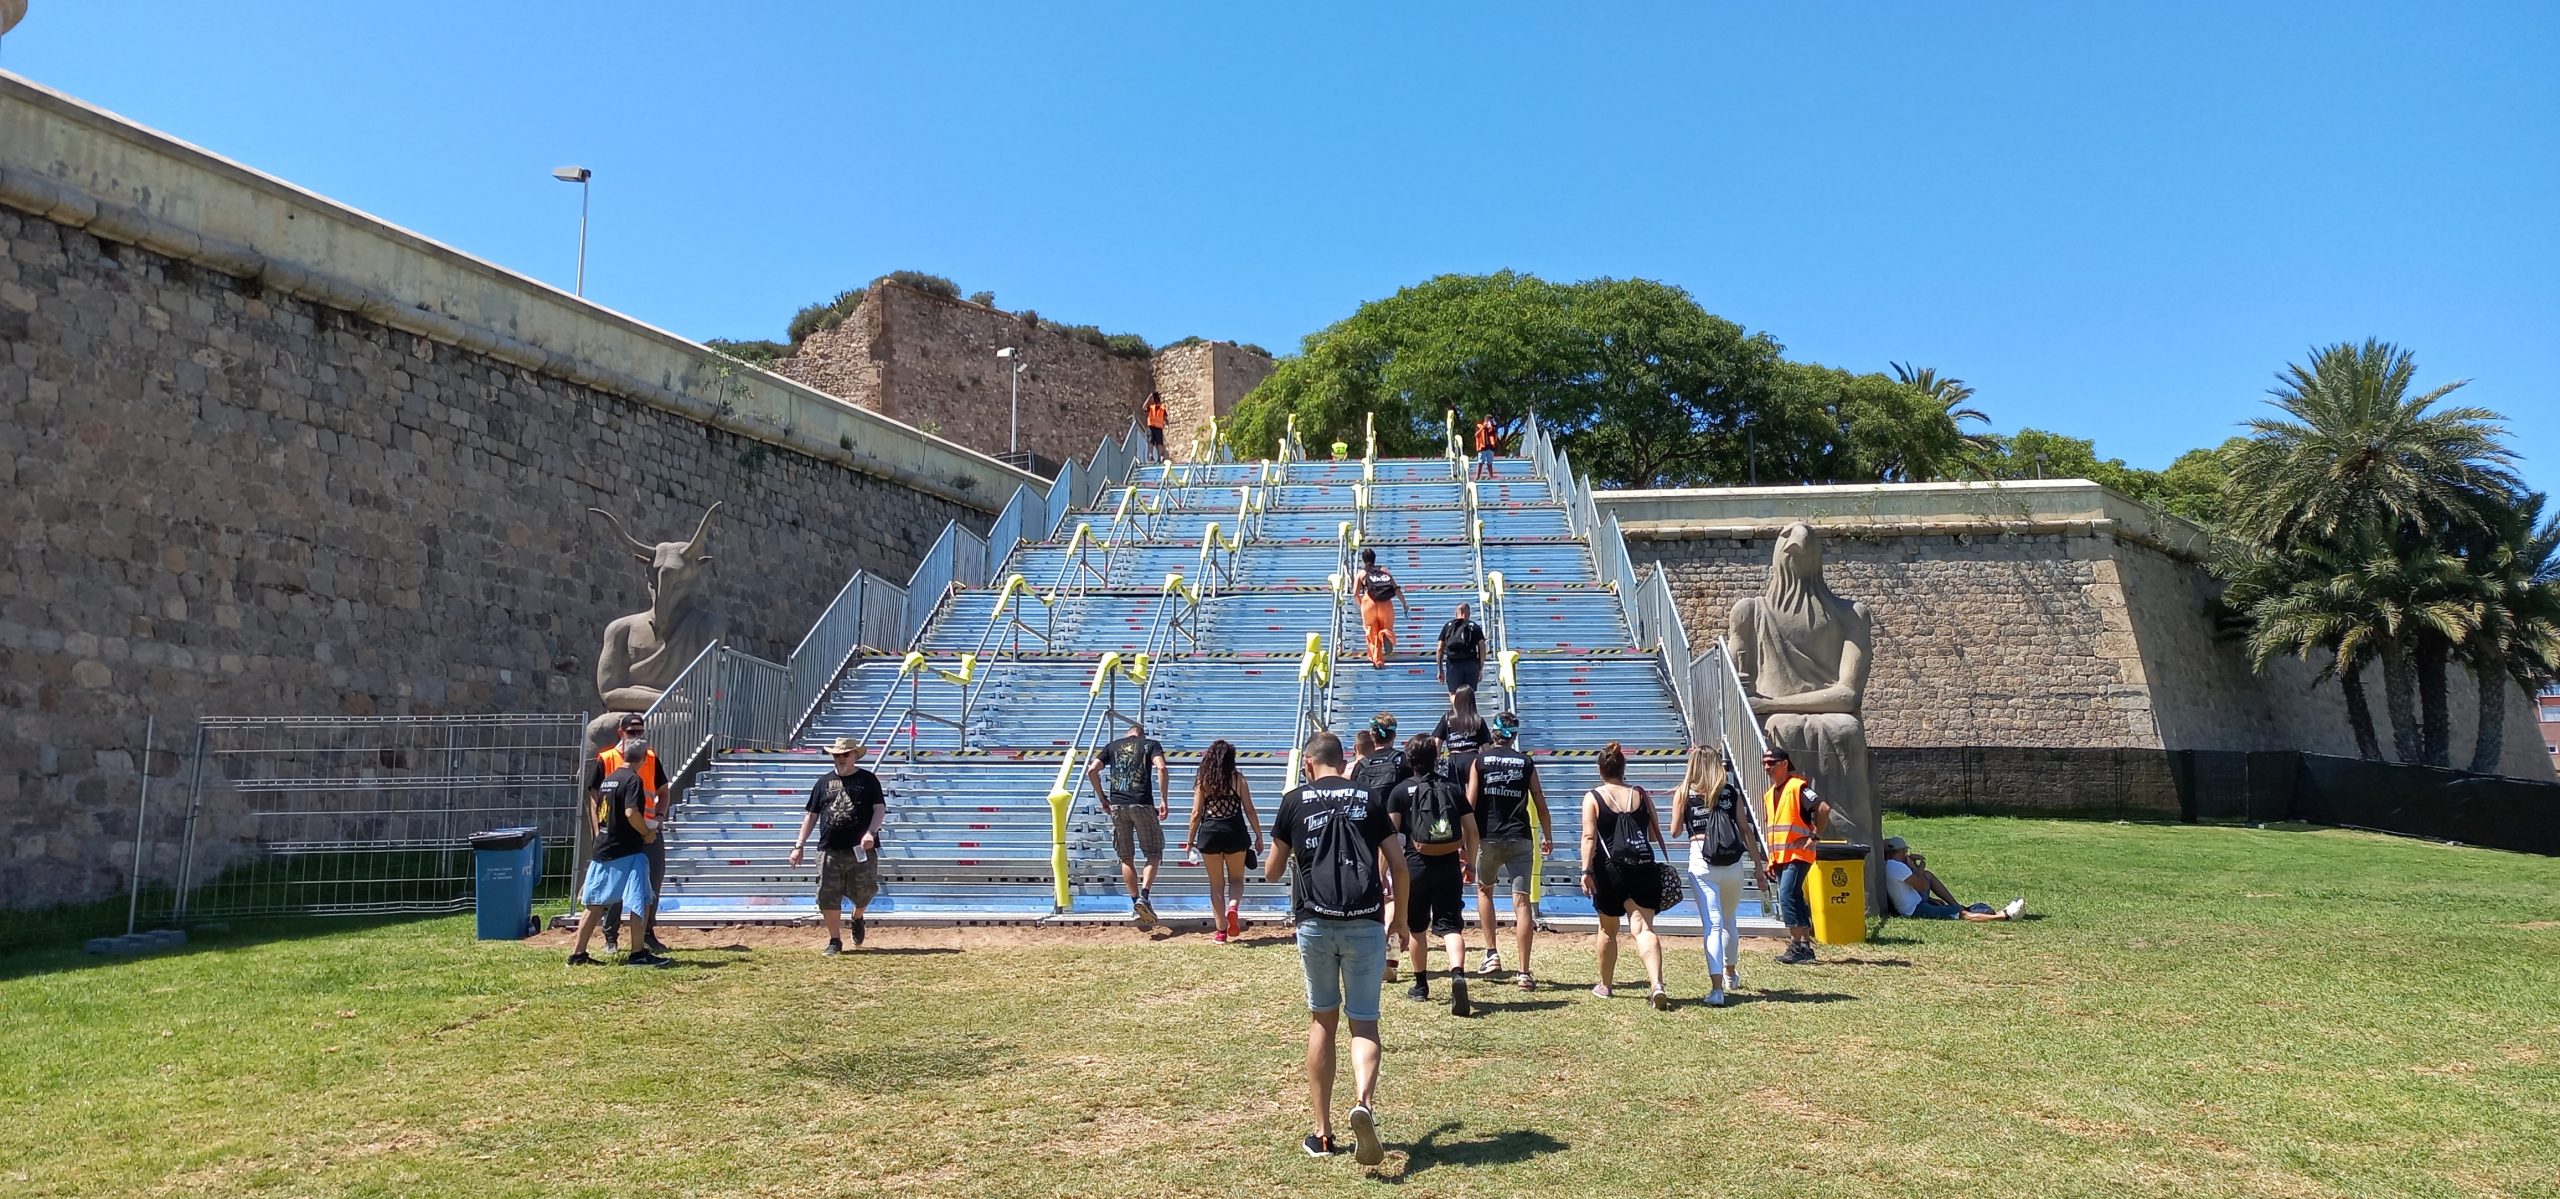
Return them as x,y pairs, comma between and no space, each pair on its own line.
1622,854
1224,832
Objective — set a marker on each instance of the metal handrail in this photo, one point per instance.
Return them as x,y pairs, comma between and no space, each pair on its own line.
1062,791
1076,568
1315,702
911,672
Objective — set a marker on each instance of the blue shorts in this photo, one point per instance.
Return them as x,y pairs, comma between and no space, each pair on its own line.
1345,961
624,880
1794,910
1484,458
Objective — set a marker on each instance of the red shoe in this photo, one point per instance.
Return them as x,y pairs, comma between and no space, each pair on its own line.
1235,927
1220,936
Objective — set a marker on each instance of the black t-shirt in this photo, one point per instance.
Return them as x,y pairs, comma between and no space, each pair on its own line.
1460,739
1503,776
617,796
1406,805
1694,806
1333,828
1462,641
1129,770
844,804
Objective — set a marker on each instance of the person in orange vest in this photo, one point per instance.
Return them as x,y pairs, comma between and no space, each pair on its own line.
632,749
1379,594
1155,427
1790,814
1487,441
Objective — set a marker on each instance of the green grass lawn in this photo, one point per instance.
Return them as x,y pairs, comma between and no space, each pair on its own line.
2200,1011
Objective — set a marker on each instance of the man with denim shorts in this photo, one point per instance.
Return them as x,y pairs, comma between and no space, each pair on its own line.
1349,861
1503,788
618,871
1791,815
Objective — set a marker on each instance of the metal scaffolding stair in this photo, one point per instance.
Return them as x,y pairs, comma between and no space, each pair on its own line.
970,834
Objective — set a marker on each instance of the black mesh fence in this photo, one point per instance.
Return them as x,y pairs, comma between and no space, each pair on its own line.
2224,786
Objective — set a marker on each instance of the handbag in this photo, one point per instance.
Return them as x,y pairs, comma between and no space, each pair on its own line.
1673,889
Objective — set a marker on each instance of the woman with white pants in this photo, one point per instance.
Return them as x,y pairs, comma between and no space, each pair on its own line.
1708,810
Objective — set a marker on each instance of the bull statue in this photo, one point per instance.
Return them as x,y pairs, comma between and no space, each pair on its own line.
645,651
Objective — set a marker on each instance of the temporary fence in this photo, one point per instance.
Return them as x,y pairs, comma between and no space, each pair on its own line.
2419,801
334,816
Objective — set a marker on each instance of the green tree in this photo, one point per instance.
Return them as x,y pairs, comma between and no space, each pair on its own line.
2514,570
2193,485
1950,394
2311,607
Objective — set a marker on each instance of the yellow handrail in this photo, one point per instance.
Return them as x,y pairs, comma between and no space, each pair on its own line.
1061,796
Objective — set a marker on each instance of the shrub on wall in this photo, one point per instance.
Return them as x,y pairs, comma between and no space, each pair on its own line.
826,315
983,299
1251,348
933,284
757,352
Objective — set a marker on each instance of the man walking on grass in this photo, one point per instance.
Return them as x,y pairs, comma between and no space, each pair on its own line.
1136,786
1791,814
1350,861
632,749
1439,831
846,806
618,870
1503,789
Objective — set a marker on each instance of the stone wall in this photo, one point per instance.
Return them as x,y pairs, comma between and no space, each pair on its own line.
1201,382
931,362
219,495
2042,650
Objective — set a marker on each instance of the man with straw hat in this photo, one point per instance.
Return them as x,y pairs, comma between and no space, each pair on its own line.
846,806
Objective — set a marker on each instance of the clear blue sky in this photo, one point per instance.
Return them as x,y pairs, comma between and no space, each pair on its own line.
2115,222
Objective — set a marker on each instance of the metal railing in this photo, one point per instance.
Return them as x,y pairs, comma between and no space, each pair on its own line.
1315,703
911,677
1105,691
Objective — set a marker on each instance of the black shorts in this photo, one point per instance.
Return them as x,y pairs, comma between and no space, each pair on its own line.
1437,897
1155,436
1612,886
1456,673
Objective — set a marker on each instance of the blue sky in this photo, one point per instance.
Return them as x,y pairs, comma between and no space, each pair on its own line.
2115,221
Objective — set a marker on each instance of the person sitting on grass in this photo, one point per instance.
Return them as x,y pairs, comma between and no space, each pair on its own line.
1919,895
618,872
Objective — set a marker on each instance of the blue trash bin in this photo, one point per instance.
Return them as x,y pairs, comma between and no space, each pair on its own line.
506,863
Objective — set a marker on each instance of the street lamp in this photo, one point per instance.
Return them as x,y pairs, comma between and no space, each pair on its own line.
1013,438
579,176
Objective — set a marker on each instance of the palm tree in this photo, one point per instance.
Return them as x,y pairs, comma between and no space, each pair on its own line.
2515,576
2312,609
2359,453
2374,602
1950,394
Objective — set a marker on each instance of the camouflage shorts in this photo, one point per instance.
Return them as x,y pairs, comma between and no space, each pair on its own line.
841,876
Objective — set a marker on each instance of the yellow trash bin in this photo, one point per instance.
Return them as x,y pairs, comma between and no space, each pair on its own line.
1836,889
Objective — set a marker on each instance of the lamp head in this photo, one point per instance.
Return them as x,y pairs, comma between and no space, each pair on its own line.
572,174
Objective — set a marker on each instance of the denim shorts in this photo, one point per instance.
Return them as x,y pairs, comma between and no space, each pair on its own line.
1794,910
624,880
1344,961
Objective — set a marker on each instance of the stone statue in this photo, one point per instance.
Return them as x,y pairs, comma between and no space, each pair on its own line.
645,651
1802,653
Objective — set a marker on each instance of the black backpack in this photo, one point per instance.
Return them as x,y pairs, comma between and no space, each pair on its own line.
1462,639
1627,843
1431,811
1380,772
1338,868
1723,828
1382,586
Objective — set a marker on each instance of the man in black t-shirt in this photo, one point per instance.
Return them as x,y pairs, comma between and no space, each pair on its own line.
1136,786
1461,651
1439,849
619,816
1503,788
847,807
1350,863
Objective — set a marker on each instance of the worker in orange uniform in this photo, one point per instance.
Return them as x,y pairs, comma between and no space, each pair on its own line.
1379,595
1155,426
1488,439
632,749
1791,814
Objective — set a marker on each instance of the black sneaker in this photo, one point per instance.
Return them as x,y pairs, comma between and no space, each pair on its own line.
857,928
1318,1145
834,947
1419,992
656,945
1458,1005
1145,912
1791,955
642,957
581,958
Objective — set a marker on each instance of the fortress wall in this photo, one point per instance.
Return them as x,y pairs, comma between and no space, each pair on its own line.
261,454
2036,645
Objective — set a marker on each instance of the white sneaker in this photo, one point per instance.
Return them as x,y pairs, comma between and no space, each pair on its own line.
1366,1148
1715,998
2017,907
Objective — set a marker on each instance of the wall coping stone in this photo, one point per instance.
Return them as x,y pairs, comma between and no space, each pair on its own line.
2070,507
84,167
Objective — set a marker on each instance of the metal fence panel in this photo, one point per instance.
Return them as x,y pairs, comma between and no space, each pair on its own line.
369,815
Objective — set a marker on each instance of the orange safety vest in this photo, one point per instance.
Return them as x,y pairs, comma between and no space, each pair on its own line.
1155,416
1789,835
1484,437
648,771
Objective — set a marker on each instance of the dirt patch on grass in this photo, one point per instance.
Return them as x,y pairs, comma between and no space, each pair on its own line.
2537,926
1778,1101
811,937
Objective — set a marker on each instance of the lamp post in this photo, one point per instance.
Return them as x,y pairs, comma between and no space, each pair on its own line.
1013,437
579,176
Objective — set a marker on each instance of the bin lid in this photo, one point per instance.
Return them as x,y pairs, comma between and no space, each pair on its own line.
504,838
1841,851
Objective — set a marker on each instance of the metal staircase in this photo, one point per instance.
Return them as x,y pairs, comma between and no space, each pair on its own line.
1000,697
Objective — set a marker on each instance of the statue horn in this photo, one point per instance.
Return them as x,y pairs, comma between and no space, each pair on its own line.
694,547
647,551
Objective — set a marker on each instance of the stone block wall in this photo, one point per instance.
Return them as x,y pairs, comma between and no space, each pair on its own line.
219,499
1201,382
931,362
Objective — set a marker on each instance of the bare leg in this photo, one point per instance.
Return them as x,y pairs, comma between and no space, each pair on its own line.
1525,930
587,927
1456,944
1487,919
1320,1065
1364,1062
1147,881
1648,946
833,915
1608,951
